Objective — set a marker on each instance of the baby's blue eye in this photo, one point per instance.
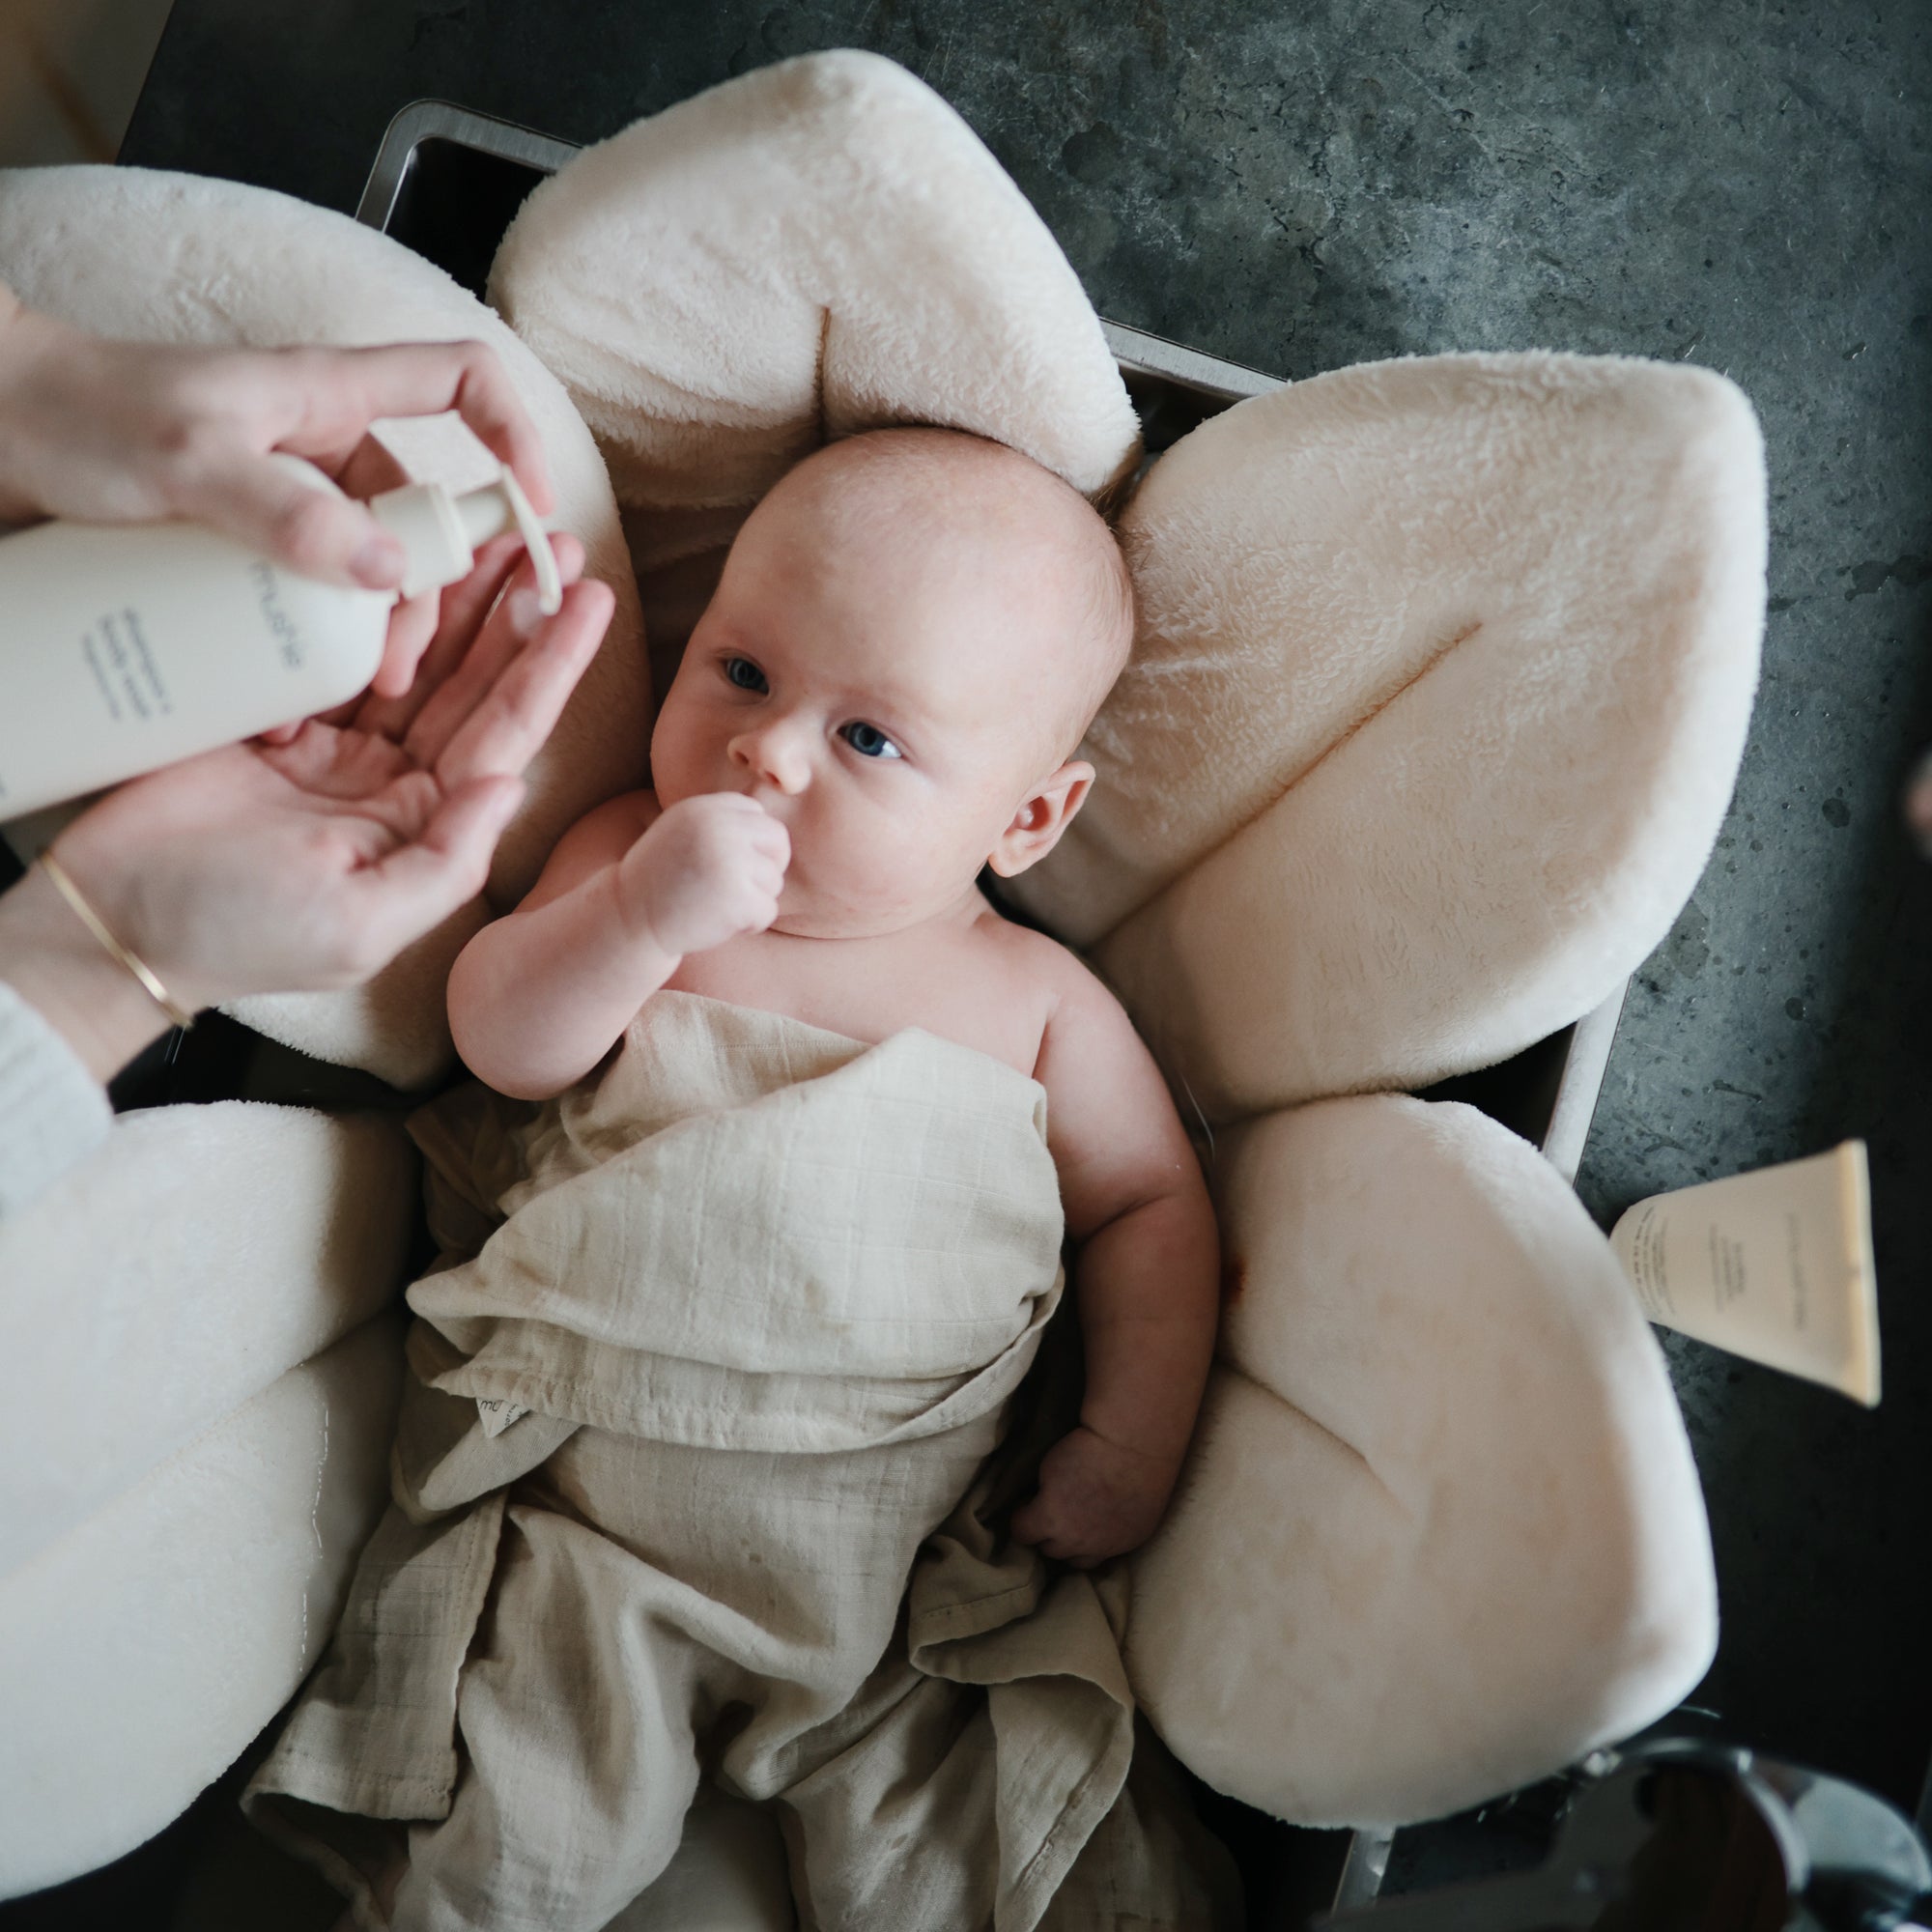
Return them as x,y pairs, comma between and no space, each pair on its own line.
745,675
868,741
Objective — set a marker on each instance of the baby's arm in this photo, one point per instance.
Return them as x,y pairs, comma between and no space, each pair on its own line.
537,997
1146,1280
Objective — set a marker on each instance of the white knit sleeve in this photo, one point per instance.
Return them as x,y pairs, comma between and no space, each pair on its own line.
52,1111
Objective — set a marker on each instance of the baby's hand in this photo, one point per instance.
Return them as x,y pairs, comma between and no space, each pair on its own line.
709,869
1096,1499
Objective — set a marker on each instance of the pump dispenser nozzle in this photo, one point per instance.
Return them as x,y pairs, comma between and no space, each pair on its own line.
441,532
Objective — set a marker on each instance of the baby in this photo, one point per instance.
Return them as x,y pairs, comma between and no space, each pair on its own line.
910,636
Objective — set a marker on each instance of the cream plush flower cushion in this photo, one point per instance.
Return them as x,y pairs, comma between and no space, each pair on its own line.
1441,685
758,182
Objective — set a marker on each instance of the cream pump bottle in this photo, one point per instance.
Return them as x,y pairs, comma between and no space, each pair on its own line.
126,647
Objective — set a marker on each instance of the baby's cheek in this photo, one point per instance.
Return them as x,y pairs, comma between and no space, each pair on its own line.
935,856
888,872
668,777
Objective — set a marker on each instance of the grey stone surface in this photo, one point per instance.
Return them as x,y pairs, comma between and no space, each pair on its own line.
1298,187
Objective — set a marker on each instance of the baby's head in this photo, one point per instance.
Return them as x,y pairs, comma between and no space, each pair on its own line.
911,633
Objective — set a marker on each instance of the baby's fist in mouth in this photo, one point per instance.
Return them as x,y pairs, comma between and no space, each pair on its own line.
710,869
1096,1499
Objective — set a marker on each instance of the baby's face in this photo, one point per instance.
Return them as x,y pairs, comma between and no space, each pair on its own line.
893,703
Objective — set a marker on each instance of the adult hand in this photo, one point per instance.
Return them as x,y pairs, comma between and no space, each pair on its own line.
127,432
265,866
1918,804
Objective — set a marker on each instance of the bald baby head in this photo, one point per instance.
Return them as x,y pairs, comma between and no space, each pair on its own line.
908,639
1025,547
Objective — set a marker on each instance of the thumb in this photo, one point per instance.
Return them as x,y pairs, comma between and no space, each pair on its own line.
313,532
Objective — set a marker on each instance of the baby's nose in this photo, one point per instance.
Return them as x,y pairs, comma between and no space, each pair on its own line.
776,754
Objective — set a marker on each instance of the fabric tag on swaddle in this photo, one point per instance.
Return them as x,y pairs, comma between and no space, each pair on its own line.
496,1416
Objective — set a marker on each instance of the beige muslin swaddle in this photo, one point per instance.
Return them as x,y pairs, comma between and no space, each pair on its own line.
676,1431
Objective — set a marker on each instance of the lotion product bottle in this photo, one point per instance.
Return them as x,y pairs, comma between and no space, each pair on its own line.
1775,1266
125,647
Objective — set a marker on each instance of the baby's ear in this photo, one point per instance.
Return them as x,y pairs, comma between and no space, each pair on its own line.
1046,812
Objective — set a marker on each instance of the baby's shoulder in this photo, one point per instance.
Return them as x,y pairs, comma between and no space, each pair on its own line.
1042,963
1086,1035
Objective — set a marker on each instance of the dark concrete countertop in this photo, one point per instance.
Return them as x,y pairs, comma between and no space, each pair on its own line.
1746,186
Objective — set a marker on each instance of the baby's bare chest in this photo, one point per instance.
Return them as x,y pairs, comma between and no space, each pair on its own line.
961,988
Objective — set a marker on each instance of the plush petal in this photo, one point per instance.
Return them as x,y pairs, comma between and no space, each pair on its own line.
314,1215
1442,681
179,258
142,1651
818,248
1440,1532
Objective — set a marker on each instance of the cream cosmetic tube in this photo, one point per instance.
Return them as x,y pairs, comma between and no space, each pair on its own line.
126,647
1775,1266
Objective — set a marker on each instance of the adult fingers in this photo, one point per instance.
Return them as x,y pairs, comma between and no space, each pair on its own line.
402,895
337,715
371,468
1918,804
344,390
459,610
399,644
313,532
413,627
509,727
513,622
348,767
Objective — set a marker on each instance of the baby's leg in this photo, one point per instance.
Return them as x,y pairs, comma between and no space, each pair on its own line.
574,1718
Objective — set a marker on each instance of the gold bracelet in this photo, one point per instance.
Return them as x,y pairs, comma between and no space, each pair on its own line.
150,980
